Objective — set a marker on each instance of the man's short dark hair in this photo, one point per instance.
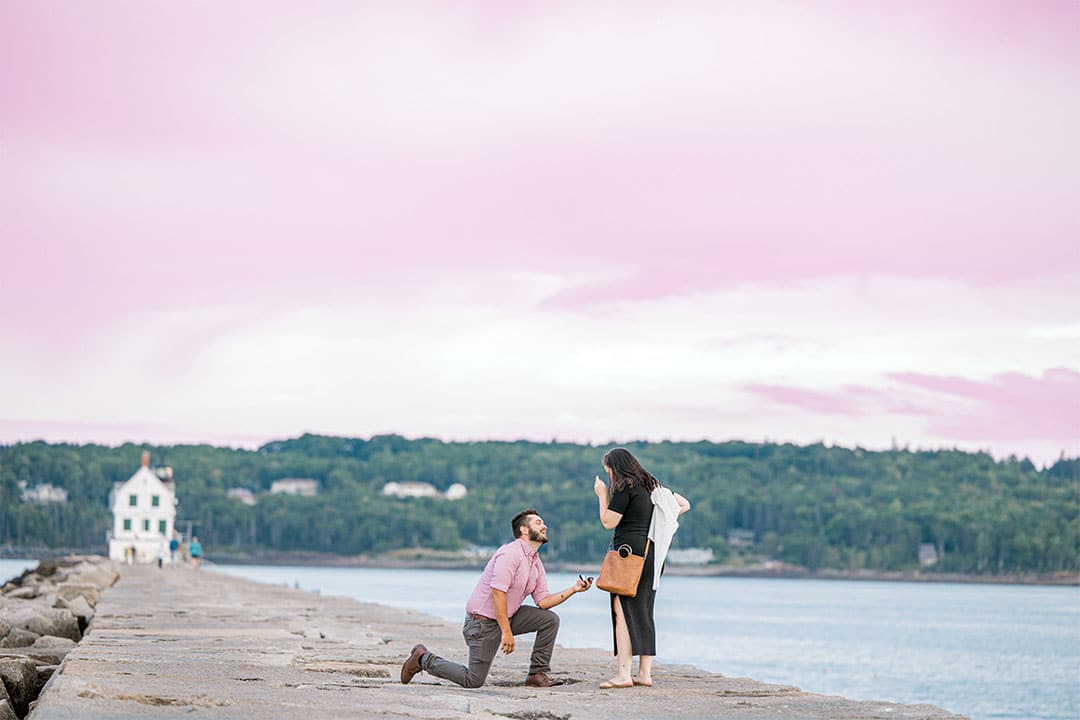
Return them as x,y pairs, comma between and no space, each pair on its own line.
520,519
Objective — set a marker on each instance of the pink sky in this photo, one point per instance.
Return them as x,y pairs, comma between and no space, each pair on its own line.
237,222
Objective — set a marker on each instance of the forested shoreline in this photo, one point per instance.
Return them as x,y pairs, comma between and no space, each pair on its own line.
821,508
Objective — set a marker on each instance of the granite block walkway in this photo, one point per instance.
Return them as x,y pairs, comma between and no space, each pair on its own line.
184,643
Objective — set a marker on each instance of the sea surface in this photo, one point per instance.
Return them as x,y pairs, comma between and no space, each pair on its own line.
14,568
986,651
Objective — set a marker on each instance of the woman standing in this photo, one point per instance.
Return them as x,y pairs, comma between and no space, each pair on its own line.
627,508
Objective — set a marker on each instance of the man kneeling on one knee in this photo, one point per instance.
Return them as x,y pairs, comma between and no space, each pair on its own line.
494,613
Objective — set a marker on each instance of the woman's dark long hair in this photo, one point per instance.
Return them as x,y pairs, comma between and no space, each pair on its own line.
627,472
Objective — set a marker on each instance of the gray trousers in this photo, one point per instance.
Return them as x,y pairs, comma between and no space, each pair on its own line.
484,638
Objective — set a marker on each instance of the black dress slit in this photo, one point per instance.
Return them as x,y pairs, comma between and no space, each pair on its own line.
638,611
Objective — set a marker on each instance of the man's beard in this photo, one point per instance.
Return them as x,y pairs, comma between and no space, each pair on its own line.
537,537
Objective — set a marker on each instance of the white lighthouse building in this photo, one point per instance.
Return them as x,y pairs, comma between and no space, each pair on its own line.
144,509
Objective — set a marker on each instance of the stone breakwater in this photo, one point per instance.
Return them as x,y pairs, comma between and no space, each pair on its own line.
43,614
178,642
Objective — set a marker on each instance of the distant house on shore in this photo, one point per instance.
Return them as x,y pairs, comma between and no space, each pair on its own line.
690,556
422,489
927,555
410,489
740,538
478,553
42,494
242,494
295,486
144,511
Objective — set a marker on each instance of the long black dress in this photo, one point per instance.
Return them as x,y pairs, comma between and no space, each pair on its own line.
636,508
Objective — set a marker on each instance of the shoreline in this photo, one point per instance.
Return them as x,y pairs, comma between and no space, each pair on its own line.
431,560
780,573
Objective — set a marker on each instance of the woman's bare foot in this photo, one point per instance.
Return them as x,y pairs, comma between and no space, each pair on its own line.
643,681
617,682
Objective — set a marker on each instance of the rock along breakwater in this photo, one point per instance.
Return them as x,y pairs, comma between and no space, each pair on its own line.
43,614
177,642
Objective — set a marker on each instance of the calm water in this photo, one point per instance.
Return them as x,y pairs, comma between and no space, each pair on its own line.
988,651
14,568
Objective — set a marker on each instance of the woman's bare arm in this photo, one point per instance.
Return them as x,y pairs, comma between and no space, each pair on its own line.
684,504
608,518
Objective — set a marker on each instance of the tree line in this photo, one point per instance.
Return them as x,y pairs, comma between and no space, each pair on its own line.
814,506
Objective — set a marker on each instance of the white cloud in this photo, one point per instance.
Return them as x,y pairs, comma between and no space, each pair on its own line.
476,359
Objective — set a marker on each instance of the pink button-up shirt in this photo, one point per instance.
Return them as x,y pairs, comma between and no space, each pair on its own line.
515,568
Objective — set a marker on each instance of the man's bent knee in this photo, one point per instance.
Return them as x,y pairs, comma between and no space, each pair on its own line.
473,680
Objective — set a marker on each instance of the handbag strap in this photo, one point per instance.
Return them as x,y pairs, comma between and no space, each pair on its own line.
648,542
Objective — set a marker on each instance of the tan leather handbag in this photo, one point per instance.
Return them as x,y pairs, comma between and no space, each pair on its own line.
621,570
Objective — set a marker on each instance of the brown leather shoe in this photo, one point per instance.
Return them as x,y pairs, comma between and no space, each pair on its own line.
412,666
542,680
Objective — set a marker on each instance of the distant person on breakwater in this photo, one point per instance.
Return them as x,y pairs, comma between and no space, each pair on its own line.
494,613
195,548
174,545
643,516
